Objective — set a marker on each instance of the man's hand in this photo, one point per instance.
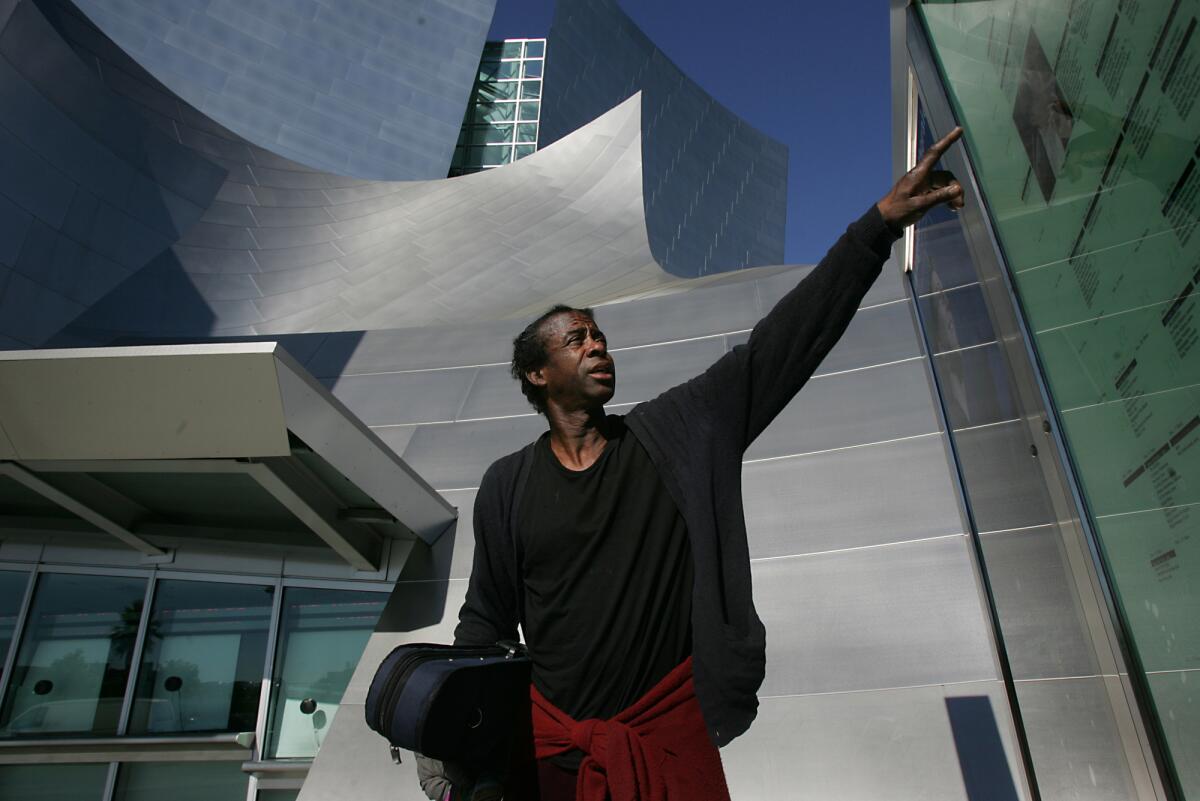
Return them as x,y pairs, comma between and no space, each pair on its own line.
922,188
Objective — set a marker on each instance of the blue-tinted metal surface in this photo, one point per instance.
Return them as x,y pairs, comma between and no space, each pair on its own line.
715,188
375,90
89,191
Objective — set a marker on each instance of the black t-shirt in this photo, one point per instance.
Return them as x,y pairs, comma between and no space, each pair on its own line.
608,577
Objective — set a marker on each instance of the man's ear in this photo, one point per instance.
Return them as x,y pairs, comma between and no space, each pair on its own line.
535,377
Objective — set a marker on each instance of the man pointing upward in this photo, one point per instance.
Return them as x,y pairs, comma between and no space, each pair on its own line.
618,543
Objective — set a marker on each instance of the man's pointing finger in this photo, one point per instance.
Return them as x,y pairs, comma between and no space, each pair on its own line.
937,149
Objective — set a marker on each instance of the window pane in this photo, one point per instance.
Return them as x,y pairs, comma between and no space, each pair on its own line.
535,49
533,69
73,660
202,667
499,90
527,132
500,132
181,781
497,70
525,150
12,592
53,782
499,112
510,50
496,155
531,90
529,111
322,634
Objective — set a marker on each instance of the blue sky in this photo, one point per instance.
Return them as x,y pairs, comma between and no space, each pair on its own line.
813,75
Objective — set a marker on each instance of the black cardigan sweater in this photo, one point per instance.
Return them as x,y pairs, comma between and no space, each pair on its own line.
696,434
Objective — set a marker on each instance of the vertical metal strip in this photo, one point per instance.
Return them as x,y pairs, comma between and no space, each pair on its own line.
993,611
264,691
135,658
18,634
110,781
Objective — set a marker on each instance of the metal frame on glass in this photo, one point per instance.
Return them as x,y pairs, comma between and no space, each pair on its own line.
1134,726
124,748
462,163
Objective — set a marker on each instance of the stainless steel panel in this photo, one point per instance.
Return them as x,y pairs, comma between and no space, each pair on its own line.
1003,479
461,545
645,373
455,455
1177,700
850,498
495,393
1044,630
894,616
1076,749
385,350
875,336
833,411
395,398
700,312
977,388
858,746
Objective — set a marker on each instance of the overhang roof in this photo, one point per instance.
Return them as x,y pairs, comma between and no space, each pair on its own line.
226,441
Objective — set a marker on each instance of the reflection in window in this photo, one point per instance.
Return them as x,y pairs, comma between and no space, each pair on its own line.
527,132
202,665
181,781
497,112
12,592
498,70
533,69
73,661
322,635
525,150
53,782
535,49
531,90
529,111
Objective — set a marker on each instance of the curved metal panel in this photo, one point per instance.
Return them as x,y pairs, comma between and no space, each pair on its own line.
370,89
89,191
715,188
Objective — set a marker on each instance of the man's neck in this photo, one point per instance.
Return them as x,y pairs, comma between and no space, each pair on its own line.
576,436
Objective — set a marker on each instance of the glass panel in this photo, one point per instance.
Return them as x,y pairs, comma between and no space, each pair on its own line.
525,150
529,111
202,667
498,90
531,90
321,638
498,70
12,593
491,50
1082,130
498,112
532,69
181,781
73,661
527,132
510,50
535,49
490,134
53,782
496,155
278,795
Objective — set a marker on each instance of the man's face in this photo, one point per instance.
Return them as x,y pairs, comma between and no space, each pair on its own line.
578,373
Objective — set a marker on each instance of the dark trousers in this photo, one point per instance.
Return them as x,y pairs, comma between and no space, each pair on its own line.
555,783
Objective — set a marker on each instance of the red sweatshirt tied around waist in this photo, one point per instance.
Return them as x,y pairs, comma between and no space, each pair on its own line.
655,750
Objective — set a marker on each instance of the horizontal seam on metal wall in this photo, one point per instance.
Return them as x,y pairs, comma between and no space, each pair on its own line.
885,689
873,546
841,448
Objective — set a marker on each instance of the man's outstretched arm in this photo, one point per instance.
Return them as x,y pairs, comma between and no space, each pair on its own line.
789,343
